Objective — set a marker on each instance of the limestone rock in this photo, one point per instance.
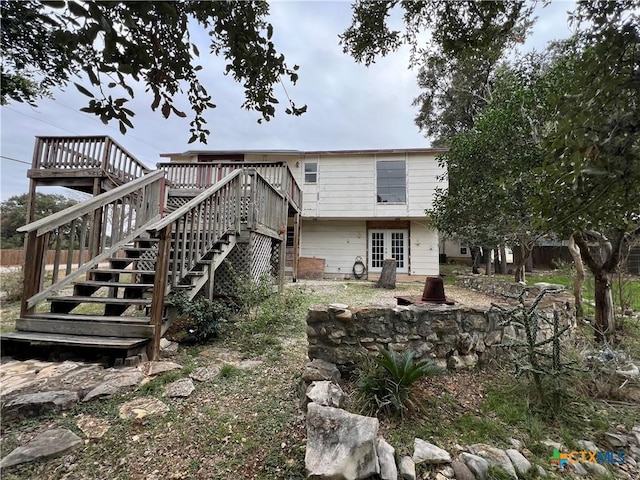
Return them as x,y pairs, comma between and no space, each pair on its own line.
551,444
596,469
340,445
425,452
319,369
92,426
325,393
587,445
116,382
447,472
616,440
578,469
141,407
205,374
180,388
387,460
520,463
248,364
49,444
461,471
168,348
542,472
156,368
407,469
495,456
35,404
478,465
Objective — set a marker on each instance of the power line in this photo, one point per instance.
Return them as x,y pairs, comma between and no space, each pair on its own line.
15,160
39,119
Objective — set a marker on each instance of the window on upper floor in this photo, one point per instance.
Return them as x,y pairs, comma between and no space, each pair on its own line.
311,172
392,181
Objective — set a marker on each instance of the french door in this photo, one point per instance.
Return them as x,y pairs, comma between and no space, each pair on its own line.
388,244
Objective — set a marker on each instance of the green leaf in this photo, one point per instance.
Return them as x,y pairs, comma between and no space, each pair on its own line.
83,90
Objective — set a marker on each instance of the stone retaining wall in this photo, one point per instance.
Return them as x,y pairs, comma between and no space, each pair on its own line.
456,336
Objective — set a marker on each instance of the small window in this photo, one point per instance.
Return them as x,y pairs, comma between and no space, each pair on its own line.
463,250
311,172
290,236
392,181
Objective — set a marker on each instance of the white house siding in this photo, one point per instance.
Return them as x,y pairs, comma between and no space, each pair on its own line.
424,248
346,186
423,177
338,242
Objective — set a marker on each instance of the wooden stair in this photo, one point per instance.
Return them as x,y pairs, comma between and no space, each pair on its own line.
110,308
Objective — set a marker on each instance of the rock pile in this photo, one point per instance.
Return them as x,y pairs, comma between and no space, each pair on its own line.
345,446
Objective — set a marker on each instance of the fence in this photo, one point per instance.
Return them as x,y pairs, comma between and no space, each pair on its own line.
15,258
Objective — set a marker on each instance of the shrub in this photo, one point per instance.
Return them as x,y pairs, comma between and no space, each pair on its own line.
383,383
203,315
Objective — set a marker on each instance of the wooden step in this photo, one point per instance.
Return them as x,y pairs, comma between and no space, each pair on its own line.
98,283
89,318
122,270
76,327
103,300
75,340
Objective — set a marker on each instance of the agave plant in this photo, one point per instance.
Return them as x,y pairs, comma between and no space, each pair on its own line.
384,385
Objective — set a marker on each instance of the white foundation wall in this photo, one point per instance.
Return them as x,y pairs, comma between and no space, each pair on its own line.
338,242
424,249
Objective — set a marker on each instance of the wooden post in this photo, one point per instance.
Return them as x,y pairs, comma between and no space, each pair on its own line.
35,251
159,291
388,275
296,241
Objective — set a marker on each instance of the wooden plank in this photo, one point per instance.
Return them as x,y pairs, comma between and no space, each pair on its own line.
76,340
97,283
160,290
103,300
102,329
64,173
89,318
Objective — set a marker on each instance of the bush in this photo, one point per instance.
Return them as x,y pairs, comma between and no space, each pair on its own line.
383,383
203,316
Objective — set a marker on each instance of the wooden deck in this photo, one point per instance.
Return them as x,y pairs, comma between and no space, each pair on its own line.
151,249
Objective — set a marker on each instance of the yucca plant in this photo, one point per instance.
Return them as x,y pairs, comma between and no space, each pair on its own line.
384,382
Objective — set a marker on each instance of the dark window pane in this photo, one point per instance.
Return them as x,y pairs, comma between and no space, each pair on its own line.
391,181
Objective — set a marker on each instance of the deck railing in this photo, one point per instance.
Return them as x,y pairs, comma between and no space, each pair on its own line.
201,175
91,152
243,198
100,226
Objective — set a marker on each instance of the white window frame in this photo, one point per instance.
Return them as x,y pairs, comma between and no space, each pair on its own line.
313,172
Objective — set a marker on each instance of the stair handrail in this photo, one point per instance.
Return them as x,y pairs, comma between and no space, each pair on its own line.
127,209
194,229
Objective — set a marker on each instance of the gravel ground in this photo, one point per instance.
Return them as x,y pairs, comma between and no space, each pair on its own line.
365,293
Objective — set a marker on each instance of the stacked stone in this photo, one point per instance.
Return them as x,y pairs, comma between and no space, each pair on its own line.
455,336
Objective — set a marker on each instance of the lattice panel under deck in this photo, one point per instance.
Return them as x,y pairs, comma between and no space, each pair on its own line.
260,256
234,268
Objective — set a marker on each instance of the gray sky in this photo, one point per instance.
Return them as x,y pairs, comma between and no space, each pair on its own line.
350,106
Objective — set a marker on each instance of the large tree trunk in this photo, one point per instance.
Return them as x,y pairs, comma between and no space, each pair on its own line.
486,255
578,281
503,260
604,318
475,260
520,259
